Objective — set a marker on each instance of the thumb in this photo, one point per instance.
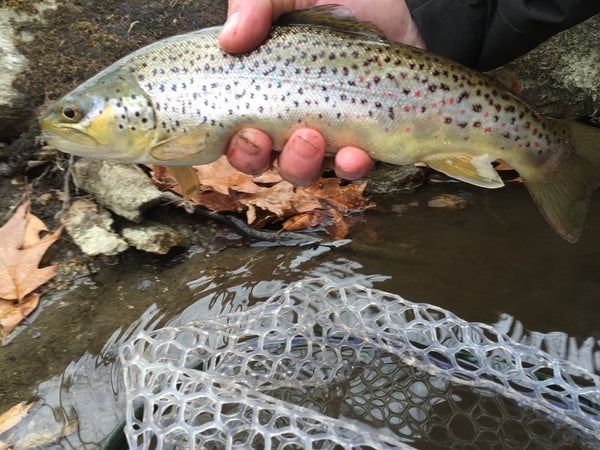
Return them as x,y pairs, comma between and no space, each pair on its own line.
247,25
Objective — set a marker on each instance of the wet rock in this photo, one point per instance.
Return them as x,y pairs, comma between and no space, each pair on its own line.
15,107
388,178
561,78
153,237
122,188
90,227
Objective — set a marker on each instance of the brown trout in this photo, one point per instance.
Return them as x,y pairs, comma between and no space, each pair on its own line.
177,102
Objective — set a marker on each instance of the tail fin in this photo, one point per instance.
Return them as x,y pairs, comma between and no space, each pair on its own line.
564,196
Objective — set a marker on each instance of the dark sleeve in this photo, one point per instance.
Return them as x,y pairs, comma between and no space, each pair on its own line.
488,33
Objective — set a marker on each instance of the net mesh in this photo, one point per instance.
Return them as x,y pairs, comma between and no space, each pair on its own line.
324,365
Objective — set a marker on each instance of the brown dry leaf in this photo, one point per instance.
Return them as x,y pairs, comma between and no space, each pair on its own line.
12,417
268,198
12,314
21,250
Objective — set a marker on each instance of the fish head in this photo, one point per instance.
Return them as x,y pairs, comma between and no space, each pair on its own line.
107,117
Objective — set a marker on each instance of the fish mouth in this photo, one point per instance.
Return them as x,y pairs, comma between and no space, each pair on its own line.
71,140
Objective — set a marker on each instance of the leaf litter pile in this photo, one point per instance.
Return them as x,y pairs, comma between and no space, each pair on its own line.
267,198
24,240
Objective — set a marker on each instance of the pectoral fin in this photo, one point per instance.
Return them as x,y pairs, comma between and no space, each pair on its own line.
180,147
475,170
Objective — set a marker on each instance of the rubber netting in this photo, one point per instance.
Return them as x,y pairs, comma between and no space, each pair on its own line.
324,365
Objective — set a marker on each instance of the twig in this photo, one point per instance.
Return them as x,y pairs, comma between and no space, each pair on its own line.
66,187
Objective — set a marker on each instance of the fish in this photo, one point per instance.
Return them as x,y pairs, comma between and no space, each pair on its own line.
177,102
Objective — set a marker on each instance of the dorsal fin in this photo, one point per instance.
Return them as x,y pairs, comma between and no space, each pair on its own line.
335,17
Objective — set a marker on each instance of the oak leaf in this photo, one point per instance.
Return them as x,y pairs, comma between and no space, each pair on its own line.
268,198
21,250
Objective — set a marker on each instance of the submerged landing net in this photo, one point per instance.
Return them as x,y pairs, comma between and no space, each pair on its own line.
323,365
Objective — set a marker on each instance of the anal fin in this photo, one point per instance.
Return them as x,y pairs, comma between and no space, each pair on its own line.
477,170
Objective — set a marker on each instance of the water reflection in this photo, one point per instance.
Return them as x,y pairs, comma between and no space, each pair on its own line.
492,260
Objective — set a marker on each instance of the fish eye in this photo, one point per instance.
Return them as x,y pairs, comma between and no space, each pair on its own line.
69,112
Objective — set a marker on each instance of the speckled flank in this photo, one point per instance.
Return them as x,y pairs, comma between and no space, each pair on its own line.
397,101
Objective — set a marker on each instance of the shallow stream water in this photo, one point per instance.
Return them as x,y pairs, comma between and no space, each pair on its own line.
494,257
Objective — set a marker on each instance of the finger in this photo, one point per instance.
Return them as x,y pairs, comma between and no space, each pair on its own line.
302,157
247,25
249,151
352,163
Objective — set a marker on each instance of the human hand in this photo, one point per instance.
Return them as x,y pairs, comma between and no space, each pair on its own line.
300,161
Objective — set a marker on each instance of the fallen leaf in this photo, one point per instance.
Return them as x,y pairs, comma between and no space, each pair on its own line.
21,250
12,314
13,416
268,198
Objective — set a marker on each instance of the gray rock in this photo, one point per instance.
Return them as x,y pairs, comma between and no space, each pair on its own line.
122,188
153,237
15,108
90,227
561,78
389,178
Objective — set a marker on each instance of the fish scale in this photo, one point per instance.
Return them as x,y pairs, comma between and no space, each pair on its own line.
178,102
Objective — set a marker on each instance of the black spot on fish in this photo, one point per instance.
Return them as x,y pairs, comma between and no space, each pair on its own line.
391,112
432,88
477,108
377,105
510,109
463,95
498,107
462,124
406,91
447,120
477,124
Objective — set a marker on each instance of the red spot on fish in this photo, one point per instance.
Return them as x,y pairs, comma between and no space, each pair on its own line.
387,130
462,111
406,109
450,101
328,124
487,129
360,79
503,124
389,94
407,129
434,104
417,93
537,144
485,114
534,131
358,116
516,128
519,145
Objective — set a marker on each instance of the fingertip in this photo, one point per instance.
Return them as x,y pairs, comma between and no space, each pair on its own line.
352,163
247,25
302,156
249,151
